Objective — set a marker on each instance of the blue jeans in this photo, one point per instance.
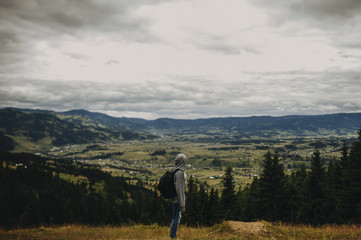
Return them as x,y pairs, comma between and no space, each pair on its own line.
176,216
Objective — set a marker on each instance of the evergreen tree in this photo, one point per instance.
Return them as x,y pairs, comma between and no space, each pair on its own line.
238,210
124,210
31,215
249,199
192,215
110,205
311,210
160,208
228,195
272,188
333,193
345,189
295,193
353,182
213,214
292,197
95,208
203,204
344,156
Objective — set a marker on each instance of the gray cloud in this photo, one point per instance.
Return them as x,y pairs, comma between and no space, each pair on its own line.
338,21
67,16
321,10
280,94
43,18
328,8
24,23
214,43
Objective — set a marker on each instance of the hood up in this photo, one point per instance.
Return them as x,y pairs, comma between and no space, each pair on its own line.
180,162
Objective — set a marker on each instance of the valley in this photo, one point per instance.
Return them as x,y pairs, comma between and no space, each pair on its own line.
101,172
148,160
141,150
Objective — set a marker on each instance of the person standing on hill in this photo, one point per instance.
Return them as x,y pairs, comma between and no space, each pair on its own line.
179,202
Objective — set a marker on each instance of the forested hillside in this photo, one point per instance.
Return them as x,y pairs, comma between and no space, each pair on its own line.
256,126
38,190
237,127
19,128
298,125
322,195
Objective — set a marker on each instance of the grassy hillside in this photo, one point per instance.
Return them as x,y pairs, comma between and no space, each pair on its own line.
226,230
26,131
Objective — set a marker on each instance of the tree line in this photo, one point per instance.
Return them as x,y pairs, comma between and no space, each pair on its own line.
321,195
32,193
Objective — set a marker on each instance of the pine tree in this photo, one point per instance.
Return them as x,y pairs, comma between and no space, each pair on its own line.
312,208
238,210
192,215
333,192
292,198
272,188
345,189
249,199
353,181
344,155
31,215
203,203
228,195
213,214
298,180
110,205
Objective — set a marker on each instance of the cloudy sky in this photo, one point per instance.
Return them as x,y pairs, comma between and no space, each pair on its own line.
182,58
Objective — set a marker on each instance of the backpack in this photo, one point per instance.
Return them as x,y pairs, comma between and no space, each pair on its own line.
166,185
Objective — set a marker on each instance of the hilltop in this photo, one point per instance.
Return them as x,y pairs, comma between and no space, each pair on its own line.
226,230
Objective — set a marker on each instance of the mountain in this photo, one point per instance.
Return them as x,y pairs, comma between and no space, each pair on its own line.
21,126
262,126
24,127
106,120
333,124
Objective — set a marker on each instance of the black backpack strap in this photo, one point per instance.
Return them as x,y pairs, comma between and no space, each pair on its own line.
176,170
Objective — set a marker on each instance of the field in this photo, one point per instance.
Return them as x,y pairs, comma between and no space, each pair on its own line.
226,230
147,160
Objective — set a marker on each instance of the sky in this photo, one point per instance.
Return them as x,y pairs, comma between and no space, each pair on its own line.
182,59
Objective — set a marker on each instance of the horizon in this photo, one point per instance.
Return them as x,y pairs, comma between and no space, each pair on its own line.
273,116
182,59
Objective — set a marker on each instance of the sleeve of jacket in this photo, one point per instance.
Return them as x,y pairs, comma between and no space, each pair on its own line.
179,183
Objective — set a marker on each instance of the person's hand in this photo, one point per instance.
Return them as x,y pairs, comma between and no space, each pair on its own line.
183,209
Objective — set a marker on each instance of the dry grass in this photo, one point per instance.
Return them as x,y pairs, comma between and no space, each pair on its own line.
329,232
227,230
80,232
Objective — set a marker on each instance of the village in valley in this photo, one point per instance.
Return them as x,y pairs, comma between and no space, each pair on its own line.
147,160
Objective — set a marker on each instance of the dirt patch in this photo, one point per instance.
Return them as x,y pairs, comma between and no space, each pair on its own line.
248,227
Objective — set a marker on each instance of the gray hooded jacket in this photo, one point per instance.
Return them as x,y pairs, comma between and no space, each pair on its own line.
180,181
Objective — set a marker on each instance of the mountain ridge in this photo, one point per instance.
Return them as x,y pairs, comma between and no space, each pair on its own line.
94,126
87,112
